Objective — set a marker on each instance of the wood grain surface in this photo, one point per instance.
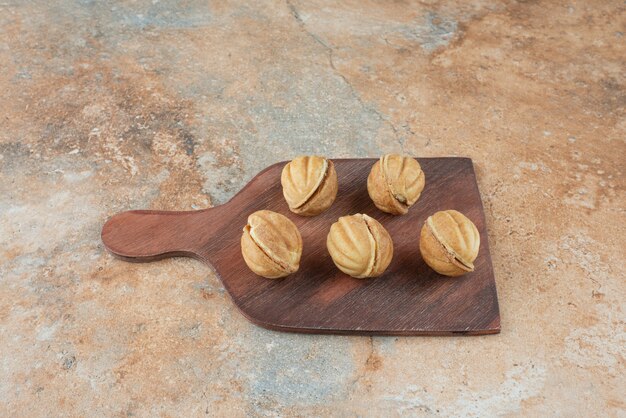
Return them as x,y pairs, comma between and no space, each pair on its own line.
409,299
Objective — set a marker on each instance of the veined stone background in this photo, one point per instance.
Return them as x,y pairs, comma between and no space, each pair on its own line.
107,106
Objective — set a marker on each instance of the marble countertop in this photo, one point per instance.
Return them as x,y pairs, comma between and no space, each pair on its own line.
108,106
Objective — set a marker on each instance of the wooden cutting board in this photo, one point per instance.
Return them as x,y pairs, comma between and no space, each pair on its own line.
409,299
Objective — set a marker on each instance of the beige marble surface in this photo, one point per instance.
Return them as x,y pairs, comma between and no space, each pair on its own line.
107,106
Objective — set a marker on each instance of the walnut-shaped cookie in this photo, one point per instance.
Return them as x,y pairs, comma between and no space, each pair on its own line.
271,244
449,243
360,246
395,183
309,185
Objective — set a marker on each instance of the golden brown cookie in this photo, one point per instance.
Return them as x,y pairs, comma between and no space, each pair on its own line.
271,244
309,185
360,246
395,183
449,243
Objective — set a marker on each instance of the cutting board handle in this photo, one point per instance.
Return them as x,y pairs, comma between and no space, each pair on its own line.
147,235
